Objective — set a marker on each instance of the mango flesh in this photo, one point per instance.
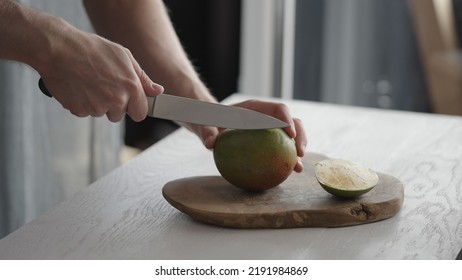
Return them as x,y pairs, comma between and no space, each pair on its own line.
255,160
344,178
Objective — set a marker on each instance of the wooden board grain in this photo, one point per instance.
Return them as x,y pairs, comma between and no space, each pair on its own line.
298,202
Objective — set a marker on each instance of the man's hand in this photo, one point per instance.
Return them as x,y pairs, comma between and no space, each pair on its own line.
87,74
208,134
91,76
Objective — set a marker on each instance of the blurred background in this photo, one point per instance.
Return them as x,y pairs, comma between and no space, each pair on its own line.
394,54
390,54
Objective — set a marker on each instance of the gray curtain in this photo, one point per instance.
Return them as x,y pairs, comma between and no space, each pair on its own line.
47,154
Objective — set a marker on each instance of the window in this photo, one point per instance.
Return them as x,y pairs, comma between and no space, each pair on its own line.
356,52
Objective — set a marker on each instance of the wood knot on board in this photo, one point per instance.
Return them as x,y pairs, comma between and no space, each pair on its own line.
361,212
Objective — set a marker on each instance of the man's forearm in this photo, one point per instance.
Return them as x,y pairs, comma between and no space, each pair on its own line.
27,34
143,26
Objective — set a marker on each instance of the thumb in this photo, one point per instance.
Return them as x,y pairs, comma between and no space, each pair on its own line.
209,135
150,88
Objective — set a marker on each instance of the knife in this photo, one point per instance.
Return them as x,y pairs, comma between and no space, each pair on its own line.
189,110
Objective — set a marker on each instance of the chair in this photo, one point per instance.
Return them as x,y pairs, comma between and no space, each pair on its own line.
440,52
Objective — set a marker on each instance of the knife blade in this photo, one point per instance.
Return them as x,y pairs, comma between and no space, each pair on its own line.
189,110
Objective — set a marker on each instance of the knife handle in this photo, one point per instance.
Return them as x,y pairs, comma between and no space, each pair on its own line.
43,88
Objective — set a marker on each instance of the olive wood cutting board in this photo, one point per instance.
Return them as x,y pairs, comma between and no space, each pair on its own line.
298,202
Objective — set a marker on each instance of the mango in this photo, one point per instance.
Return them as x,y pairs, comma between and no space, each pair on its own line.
345,178
255,160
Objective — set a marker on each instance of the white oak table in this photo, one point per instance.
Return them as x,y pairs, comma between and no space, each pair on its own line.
124,216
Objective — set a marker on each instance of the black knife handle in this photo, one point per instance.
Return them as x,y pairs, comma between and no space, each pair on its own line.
43,88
